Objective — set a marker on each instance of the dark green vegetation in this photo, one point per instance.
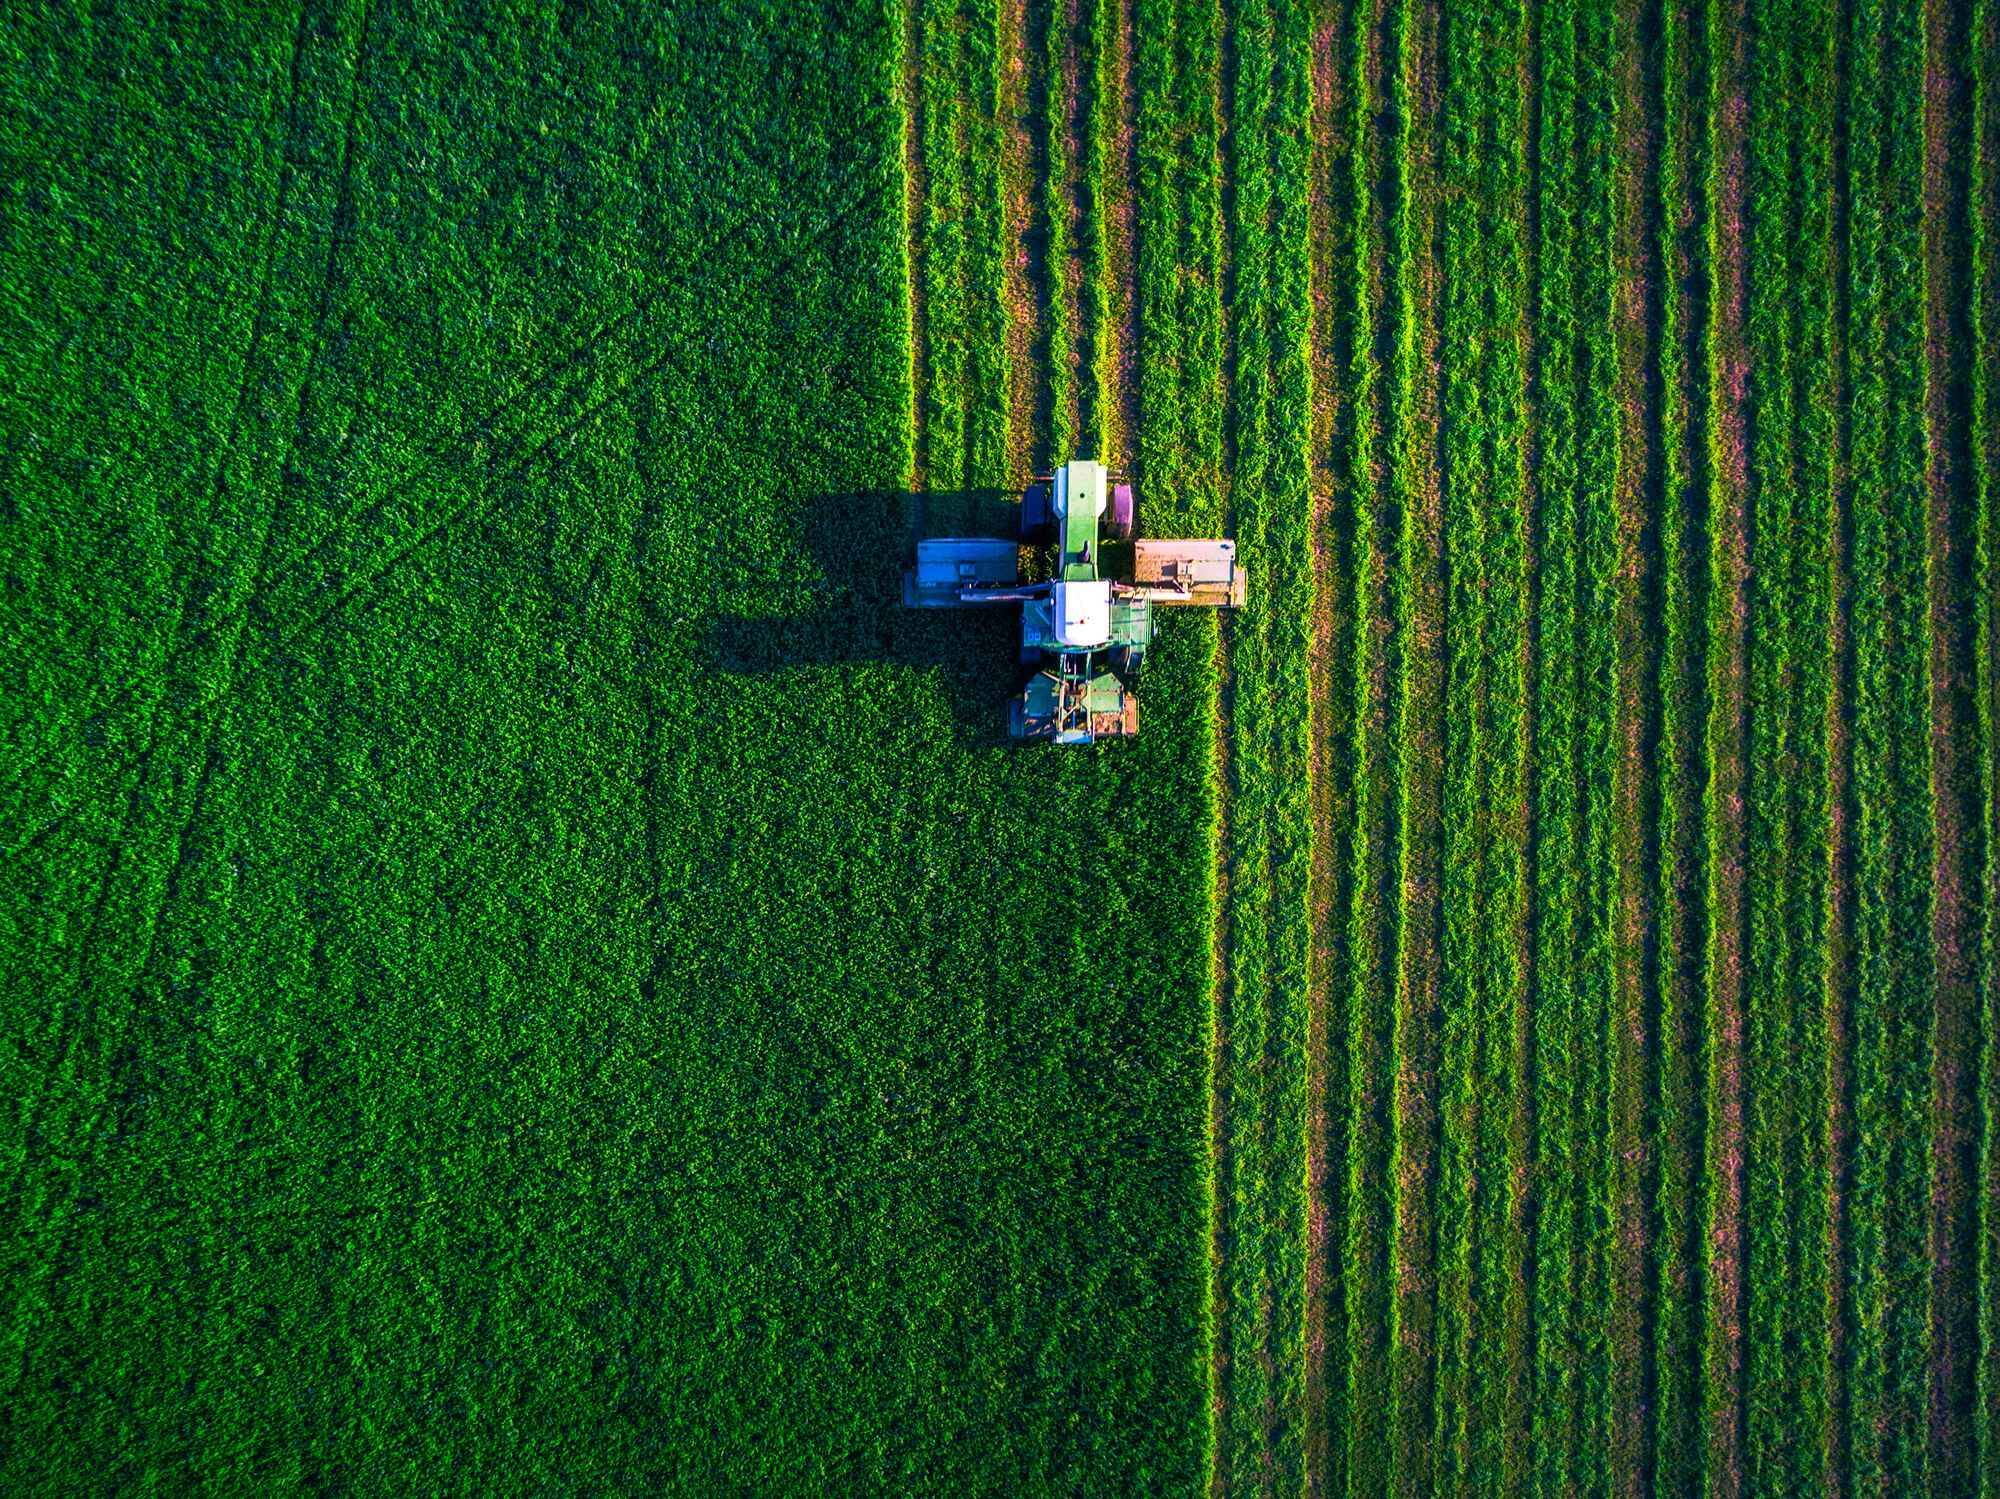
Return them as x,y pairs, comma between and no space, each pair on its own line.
521,962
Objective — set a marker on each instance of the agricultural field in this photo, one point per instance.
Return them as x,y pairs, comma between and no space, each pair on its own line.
523,969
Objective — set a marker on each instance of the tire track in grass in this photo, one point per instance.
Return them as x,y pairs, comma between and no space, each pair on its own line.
62,1122
1372,932
1636,335
282,126
1954,743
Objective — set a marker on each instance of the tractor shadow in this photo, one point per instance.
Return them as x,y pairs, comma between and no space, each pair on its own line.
855,546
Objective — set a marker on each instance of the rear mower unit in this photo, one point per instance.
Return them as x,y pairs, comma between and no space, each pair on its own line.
1084,632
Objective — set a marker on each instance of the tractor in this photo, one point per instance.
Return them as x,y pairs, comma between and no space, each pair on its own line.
1085,629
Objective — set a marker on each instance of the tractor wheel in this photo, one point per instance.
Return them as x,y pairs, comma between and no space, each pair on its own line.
1120,516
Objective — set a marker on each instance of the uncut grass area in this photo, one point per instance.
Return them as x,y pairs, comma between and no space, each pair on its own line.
524,971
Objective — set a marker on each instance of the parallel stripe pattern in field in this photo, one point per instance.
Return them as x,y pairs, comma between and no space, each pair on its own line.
1607,750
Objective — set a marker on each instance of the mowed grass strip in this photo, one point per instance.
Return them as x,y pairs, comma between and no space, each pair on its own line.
1894,968
1174,68
1372,936
1683,717
1805,771
1597,688
1464,135
1636,333
1420,607
1557,743
1251,1239
1270,828
1948,174
1331,231
1775,1441
1729,438
1497,1420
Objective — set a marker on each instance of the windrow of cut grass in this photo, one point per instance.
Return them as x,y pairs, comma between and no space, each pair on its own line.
1638,486
1684,586
1269,834
1892,794
1481,183
1418,597
1364,1033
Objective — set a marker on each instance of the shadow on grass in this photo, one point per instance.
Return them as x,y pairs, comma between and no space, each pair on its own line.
857,545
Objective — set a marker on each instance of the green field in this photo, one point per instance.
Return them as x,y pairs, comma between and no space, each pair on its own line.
523,969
